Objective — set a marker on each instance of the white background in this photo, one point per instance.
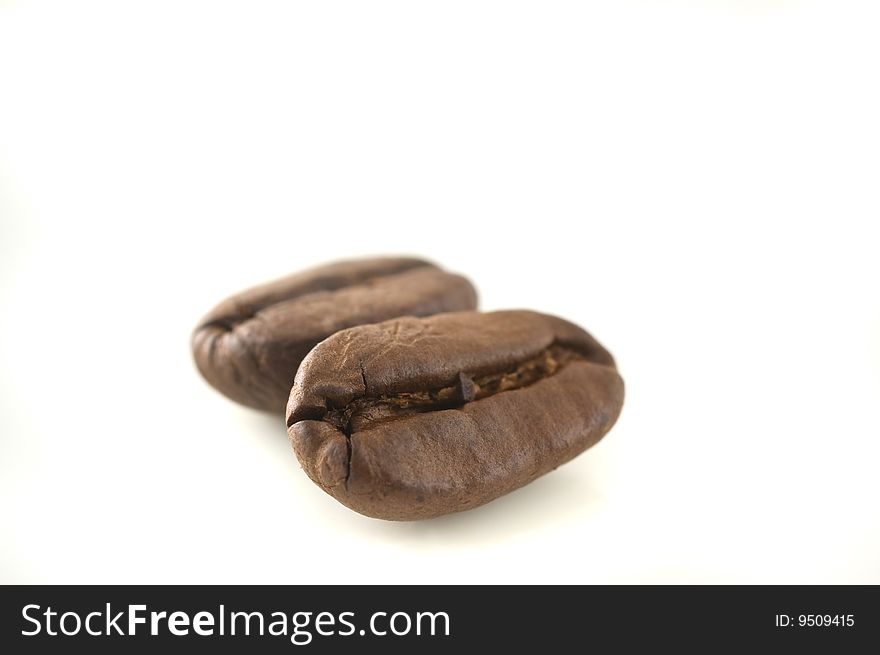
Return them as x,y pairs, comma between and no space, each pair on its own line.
696,183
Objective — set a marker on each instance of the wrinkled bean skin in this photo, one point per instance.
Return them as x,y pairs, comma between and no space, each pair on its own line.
250,345
412,418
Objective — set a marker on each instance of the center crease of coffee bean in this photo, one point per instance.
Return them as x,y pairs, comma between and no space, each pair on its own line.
369,411
248,312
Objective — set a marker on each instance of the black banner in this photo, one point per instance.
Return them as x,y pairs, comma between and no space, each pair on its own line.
434,619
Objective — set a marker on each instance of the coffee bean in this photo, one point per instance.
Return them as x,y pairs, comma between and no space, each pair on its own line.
250,345
416,417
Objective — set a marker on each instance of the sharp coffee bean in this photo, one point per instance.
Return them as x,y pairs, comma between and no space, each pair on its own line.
250,346
416,417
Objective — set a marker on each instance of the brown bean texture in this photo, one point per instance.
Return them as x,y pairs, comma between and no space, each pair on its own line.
250,345
416,417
